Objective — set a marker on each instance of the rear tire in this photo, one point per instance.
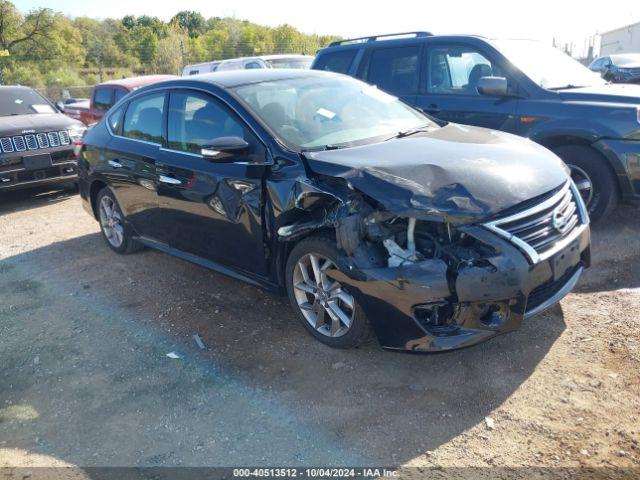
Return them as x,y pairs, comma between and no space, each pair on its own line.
325,307
114,229
589,168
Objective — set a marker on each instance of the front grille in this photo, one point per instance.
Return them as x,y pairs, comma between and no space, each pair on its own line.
543,229
20,143
542,293
54,139
6,144
31,141
43,140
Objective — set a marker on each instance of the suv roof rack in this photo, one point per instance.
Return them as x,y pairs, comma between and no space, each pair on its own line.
377,37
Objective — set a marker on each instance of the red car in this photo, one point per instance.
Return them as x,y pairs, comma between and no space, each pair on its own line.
105,95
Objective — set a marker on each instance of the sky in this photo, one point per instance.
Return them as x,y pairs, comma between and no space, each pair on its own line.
568,21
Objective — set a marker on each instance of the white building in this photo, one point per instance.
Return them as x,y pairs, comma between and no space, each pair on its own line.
621,40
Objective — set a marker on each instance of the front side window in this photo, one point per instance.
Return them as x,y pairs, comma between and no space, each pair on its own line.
395,70
252,65
103,98
455,70
338,62
195,120
324,111
143,119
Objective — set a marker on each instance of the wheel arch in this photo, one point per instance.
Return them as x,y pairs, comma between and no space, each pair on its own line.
94,189
554,141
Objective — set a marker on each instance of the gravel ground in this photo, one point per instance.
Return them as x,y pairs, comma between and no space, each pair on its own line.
85,380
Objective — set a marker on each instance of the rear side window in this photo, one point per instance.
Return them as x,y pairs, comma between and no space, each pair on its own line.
395,70
252,65
103,98
143,120
338,62
115,120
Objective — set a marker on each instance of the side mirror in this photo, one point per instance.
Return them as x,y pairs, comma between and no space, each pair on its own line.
60,106
493,86
216,150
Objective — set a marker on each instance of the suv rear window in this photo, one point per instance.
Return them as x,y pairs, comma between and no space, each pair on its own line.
338,62
103,98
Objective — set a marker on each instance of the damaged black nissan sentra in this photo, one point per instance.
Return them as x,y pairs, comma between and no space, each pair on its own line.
362,209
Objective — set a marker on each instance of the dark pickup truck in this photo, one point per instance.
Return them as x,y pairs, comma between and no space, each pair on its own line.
518,86
36,141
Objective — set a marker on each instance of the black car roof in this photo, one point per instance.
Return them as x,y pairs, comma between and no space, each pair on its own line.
234,78
9,88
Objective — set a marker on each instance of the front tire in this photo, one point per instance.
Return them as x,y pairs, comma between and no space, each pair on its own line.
324,306
595,181
115,231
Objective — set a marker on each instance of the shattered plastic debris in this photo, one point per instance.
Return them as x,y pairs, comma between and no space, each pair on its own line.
199,342
490,423
173,355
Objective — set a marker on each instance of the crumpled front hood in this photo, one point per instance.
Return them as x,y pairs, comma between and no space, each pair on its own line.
457,173
611,93
40,122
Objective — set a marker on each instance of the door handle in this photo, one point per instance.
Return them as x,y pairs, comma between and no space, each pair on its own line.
115,164
169,180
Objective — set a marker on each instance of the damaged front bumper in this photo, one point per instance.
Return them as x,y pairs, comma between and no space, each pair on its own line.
406,304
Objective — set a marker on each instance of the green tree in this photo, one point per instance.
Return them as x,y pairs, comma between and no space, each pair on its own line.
191,22
31,29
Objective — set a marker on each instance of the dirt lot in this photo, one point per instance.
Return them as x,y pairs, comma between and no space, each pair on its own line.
85,380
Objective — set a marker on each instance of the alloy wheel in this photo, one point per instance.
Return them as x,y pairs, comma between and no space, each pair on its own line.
111,222
322,301
583,183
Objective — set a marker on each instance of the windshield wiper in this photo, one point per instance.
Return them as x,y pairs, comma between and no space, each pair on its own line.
321,148
566,87
411,131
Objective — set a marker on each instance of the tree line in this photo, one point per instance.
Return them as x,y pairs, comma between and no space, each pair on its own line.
46,48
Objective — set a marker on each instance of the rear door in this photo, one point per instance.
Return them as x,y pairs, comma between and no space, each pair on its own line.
211,208
130,163
394,69
449,91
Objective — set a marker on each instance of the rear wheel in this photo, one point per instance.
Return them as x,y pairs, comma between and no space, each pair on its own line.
114,229
593,178
324,306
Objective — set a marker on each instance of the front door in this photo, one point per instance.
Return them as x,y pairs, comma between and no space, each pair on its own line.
449,88
211,207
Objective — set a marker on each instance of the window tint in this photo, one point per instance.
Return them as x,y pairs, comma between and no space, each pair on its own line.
395,70
103,98
115,120
119,94
336,61
456,70
143,119
195,120
252,65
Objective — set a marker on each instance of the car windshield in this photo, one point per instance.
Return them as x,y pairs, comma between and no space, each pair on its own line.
547,66
624,60
290,62
321,112
22,101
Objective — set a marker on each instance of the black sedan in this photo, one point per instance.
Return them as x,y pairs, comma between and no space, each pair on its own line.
360,208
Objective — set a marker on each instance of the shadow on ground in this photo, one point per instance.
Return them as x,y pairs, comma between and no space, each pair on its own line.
101,324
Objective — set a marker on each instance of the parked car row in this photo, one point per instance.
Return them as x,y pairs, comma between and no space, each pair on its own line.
367,200
365,211
249,63
517,86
